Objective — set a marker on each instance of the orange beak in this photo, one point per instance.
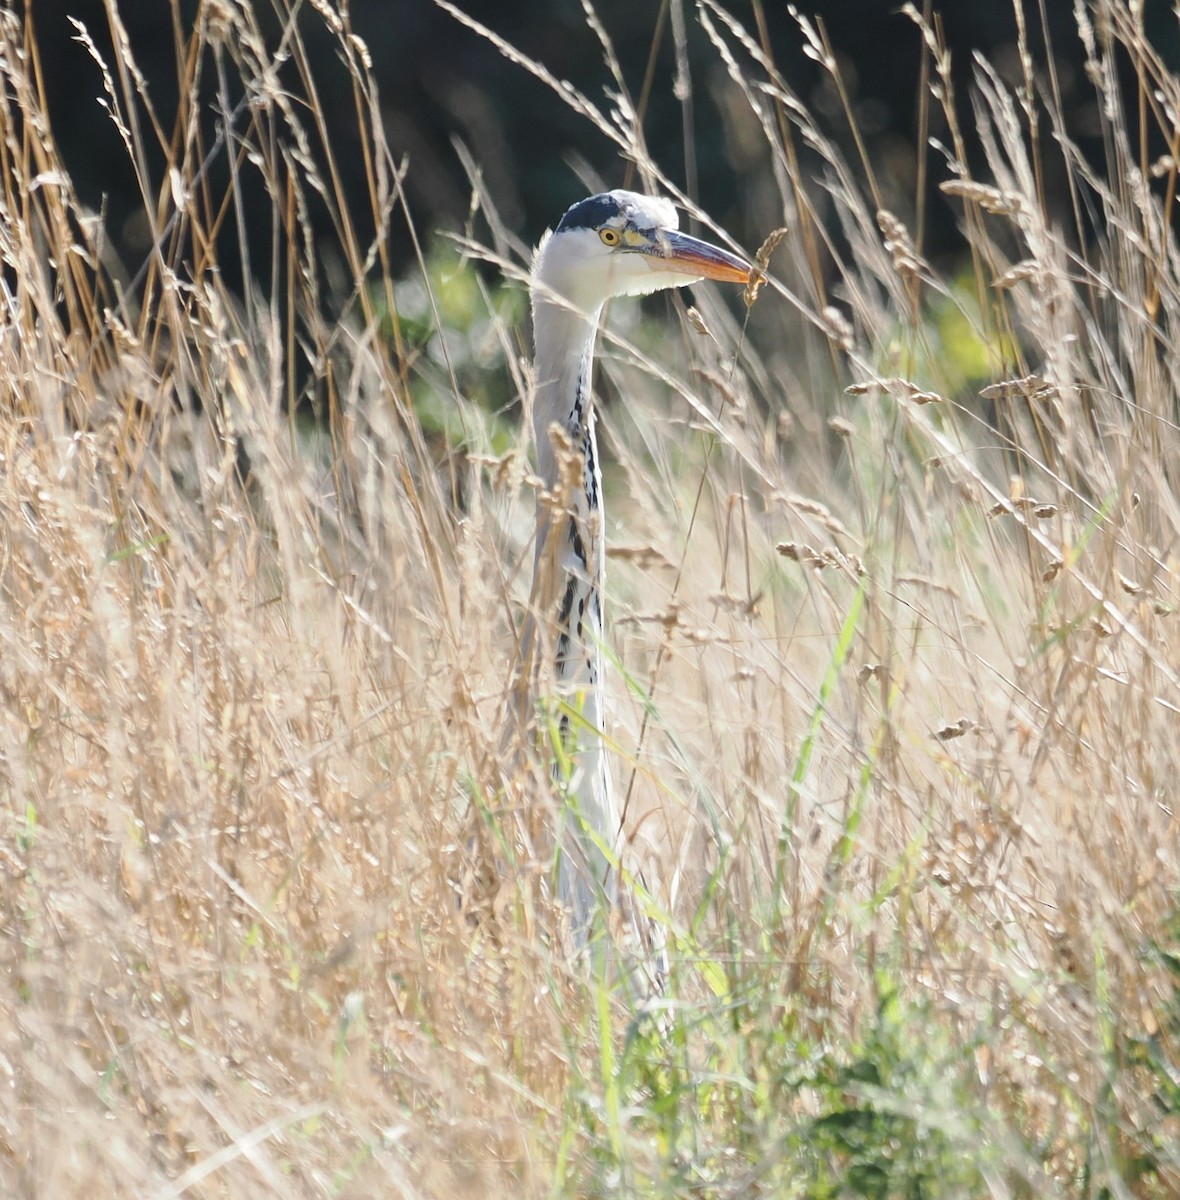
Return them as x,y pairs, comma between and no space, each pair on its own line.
675,251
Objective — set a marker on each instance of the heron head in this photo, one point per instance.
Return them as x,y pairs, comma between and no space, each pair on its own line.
624,244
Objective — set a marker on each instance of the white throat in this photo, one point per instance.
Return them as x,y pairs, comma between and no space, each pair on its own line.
565,353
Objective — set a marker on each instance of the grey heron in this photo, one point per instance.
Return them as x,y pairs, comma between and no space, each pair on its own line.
614,244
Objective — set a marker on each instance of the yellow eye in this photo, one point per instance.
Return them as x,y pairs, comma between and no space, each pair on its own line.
610,237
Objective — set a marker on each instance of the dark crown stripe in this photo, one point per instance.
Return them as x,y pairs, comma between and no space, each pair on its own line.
590,213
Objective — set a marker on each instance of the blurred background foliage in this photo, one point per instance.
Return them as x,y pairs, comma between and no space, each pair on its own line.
456,111
442,85
450,323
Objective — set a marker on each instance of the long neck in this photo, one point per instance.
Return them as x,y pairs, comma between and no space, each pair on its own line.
571,554
565,354
570,544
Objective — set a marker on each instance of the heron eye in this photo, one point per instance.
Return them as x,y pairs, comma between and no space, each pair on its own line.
610,237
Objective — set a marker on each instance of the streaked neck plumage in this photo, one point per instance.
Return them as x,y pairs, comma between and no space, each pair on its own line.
571,557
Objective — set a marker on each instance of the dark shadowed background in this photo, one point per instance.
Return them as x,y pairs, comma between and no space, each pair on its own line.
442,84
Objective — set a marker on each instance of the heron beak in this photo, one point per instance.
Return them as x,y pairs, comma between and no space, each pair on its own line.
671,250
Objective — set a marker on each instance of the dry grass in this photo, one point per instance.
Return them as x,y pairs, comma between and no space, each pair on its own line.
905,670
